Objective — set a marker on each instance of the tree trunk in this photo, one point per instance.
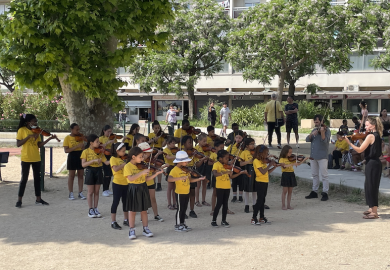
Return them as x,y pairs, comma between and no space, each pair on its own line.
90,115
191,103
282,76
291,88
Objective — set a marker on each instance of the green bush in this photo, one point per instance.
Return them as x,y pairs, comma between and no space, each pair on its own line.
340,114
204,111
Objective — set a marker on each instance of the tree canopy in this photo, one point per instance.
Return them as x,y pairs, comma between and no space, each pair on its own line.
278,37
196,46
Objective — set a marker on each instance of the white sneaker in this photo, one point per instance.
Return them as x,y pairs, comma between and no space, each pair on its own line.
132,234
105,193
158,218
109,192
91,213
81,196
147,232
180,228
71,197
97,213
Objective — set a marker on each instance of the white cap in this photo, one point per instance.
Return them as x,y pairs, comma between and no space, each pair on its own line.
145,147
182,156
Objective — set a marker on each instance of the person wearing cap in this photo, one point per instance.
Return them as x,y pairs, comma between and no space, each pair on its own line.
182,180
273,109
147,150
138,198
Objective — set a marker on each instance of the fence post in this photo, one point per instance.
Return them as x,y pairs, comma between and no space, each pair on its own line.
51,162
148,127
42,153
124,128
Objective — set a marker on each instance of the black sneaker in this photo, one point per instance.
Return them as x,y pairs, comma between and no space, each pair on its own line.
214,224
246,209
240,200
266,206
18,204
185,217
158,187
324,196
336,167
312,195
234,199
116,226
41,202
225,224
126,223
192,214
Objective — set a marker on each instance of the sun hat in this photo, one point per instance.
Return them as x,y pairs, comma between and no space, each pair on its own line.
145,147
182,156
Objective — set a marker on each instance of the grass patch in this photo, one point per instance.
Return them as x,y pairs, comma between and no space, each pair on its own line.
65,172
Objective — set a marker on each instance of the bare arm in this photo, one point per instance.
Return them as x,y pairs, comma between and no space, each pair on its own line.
217,174
41,144
370,139
86,163
174,179
19,143
68,150
148,178
132,178
118,167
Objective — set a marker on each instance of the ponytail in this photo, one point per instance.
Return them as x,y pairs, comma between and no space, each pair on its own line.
378,125
24,119
114,148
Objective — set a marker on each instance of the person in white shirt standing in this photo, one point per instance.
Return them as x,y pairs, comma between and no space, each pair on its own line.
225,115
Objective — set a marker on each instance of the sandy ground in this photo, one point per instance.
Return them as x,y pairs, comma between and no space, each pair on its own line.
315,235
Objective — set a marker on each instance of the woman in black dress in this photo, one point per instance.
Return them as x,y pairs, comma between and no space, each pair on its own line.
372,147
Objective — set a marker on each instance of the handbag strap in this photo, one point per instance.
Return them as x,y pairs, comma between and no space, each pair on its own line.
276,119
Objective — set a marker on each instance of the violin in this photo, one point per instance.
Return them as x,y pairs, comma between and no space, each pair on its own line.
114,136
208,148
233,157
216,137
156,162
358,136
192,130
161,134
144,166
101,150
125,157
273,158
43,132
80,137
174,150
192,152
194,173
236,169
293,157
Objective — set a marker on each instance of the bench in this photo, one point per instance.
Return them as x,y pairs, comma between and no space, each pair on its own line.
3,159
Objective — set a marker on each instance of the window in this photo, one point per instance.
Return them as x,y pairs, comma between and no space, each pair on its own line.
3,8
385,104
362,62
353,105
225,67
133,111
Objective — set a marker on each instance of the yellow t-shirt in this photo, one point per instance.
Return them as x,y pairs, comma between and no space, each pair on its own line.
259,176
213,156
131,169
103,139
193,161
119,178
151,181
233,148
168,161
210,141
159,142
129,139
287,162
183,186
70,142
30,150
270,110
246,155
343,145
89,154
200,150
180,133
223,181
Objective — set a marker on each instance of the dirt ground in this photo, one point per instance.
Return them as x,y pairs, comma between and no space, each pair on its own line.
315,235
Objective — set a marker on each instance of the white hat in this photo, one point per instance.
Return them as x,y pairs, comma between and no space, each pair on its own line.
145,147
182,156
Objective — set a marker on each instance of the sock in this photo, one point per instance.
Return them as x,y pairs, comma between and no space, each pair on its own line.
112,222
246,198
234,194
254,197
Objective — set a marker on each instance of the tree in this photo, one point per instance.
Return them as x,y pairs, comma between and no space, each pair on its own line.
196,46
293,76
370,21
275,38
7,78
74,48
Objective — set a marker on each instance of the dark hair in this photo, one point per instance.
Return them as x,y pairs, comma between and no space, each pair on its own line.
135,151
345,120
155,122
114,146
319,116
354,118
218,143
284,152
364,104
248,141
171,139
292,97
132,128
234,125
72,126
185,121
24,119
91,138
185,139
340,133
241,133
225,103
137,137
210,128
105,128
261,152
222,153
380,114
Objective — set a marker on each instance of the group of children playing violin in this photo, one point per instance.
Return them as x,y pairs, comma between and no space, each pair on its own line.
138,160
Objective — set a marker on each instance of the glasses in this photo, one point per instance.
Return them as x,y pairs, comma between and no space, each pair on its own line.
252,144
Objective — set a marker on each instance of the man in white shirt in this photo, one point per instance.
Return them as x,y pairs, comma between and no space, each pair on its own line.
225,115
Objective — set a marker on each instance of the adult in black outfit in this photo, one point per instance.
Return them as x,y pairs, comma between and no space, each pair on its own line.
212,115
372,147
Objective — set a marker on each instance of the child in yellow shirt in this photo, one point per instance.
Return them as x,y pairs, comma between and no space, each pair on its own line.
169,157
341,148
248,182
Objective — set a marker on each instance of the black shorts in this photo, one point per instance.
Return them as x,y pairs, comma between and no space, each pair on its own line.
193,185
291,124
152,186
74,161
107,168
93,175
